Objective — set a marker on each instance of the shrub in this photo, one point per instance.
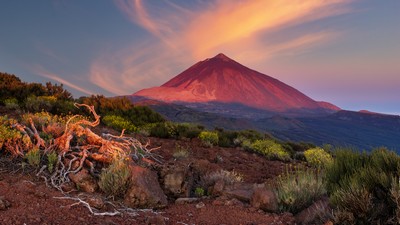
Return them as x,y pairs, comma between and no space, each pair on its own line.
180,152
318,157
119,123
161,130
12,104
40,103
299,189
209,138
229,177
270,149
114,180
33,157
361,185
199,192
186,130
52,158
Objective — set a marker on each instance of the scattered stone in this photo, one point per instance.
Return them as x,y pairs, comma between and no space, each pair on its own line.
181,201
243,195
144,191
84,181
155,220
4,204
234,202
200,205
68,187
264,199
218,188
96,202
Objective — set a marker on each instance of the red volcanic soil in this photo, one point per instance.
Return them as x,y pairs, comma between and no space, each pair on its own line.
224,80
32,202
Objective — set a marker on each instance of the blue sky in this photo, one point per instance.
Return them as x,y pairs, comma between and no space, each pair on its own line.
344,52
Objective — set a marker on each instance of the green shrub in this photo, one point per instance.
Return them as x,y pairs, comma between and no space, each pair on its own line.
52,158
199,192
209,138
270,149
114,180
186,130
40,103
12,104
33,157
361,185
162,130
119,123
318,157
299,189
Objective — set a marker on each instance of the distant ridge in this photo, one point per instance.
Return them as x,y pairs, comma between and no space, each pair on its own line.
223,80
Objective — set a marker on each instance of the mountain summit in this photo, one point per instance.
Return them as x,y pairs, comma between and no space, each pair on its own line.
223,80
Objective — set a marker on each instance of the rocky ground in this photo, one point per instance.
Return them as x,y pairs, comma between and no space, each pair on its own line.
25,198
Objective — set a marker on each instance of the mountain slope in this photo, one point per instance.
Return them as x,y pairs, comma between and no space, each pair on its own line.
223,80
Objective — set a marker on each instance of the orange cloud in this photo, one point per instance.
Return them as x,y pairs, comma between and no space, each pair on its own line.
181,36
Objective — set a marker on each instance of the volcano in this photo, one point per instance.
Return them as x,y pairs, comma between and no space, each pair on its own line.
223,80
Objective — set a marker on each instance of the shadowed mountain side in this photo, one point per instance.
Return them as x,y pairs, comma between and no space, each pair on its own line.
344,128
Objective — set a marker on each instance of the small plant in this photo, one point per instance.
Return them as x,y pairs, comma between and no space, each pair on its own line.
229,177
33,157
270,149
296,190
199,192
114,180
180,152
318,157
51,161
209,138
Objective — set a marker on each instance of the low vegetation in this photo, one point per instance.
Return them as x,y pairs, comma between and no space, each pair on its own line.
298,188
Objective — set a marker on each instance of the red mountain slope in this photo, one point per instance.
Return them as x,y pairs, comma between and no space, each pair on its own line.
221,79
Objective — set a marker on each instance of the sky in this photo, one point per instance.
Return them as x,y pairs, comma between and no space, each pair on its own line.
346,52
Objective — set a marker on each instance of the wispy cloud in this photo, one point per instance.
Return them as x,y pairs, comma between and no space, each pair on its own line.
39,70
180,35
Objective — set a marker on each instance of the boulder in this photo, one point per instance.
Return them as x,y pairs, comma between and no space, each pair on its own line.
84,181
177,181
319,212
240,191
144,190
264,199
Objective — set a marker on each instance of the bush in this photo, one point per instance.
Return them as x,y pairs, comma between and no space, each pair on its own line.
180,152
33,157
51,161
40,103
161,130
318,157
209,138
361,185
270,149
199,192
299,189
114,180
12,104
186,130
119,123
229,177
